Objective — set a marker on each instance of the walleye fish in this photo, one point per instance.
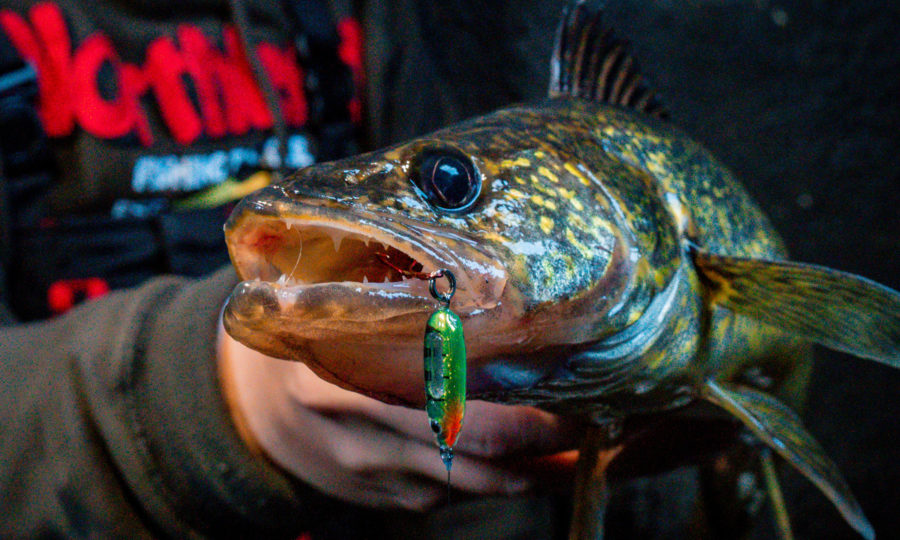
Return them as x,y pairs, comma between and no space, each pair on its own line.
607,266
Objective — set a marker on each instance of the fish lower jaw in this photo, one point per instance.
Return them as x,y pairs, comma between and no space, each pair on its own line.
311,310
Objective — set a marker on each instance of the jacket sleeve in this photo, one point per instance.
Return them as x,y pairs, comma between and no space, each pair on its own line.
113,425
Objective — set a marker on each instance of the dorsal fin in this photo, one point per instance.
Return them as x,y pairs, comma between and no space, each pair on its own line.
589,62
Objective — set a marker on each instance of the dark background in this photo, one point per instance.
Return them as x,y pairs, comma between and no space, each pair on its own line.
798,98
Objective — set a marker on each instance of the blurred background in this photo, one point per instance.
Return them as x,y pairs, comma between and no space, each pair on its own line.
799,98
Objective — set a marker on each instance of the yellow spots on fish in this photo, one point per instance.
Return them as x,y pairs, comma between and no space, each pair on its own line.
628,155
724,221
489,167
659,277
392,155
573,170
548,174
549,272
599,223
657,163
519,180
538,185
578,222
546,224
540,154
569,266
634,316
558,269
657,157
543,202
518,162
516,194
570,195
650,138
585,251
495,237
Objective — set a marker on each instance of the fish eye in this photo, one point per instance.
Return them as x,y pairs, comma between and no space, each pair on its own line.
447,180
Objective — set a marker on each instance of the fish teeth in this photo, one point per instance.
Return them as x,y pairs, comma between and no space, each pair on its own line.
365,279
337,238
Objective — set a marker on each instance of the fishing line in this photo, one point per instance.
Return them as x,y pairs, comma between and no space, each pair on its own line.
299,254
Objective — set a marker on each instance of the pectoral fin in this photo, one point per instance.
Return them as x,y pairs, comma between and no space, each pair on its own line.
780,428
836,309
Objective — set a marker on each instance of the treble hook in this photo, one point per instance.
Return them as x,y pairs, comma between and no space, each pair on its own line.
431,277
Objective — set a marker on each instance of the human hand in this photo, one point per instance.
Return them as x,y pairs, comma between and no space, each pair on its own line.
367,452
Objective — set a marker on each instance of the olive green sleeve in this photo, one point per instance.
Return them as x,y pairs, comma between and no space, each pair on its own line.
114,425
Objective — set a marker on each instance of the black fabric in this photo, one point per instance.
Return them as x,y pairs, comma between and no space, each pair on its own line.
22,141
121,252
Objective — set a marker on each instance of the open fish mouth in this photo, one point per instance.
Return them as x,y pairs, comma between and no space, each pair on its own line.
315,271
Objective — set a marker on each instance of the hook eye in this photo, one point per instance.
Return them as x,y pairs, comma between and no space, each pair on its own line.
443,297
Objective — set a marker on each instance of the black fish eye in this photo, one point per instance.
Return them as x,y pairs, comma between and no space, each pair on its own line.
448,181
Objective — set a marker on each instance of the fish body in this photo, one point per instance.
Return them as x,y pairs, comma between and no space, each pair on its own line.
607,267
575,285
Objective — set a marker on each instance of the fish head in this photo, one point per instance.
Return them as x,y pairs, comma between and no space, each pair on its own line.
534,243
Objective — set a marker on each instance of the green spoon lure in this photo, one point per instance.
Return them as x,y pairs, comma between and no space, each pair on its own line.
445,369
445,362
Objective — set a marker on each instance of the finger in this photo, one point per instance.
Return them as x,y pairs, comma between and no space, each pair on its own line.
490,429
375,449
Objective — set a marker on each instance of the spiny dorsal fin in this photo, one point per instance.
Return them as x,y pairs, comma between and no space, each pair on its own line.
780,428
836,309
589,62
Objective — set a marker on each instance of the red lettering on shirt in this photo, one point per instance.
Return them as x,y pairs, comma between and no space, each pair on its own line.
163,69
199,90
245,107
97,115
199,56
350,51
48,48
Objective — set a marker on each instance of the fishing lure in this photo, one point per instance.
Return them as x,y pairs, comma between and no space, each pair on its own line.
445,363
445,370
